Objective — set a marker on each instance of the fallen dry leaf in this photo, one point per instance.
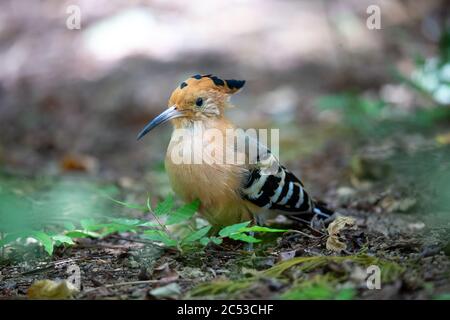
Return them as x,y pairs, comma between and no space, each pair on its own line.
333,242
48,289
72,162
390,204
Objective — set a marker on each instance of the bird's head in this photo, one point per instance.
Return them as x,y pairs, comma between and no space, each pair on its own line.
195,99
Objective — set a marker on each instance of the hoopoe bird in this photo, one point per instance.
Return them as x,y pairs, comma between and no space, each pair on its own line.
229,193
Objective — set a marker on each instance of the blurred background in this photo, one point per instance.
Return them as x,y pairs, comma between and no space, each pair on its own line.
360,110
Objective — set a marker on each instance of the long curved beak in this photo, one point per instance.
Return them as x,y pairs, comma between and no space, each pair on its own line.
167,115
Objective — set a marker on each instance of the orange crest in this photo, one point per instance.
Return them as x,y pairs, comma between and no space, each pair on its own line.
199,85
209,81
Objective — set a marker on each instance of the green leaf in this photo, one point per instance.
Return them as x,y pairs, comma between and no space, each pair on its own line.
149,224
69,226
345,294
91,225
197,235
204,241
183,213
160,236
82,234
263,229
96,227
44,239
87,223
216,240
122,225
11,237
244,237
235,228
116,225
127,222
164,207
129,205
63,239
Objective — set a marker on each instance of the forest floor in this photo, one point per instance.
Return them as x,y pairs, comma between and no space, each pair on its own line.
393,232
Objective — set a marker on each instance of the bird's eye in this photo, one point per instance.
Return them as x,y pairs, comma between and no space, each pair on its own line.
199,102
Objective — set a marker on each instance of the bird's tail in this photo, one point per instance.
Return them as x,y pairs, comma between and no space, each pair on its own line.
321,210
320,213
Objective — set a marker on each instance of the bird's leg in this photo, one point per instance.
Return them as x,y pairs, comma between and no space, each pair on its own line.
258,220
249,246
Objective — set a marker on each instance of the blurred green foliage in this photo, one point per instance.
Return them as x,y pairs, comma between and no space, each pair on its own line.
56,211
42,202
375,119
358,113
41,208
428,173
372,117
444,296
432,75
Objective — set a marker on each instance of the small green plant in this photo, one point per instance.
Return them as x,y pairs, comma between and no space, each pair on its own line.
165,215
431,76
240,231
45,209
47,239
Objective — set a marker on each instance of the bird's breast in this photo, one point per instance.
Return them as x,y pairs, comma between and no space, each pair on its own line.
217,185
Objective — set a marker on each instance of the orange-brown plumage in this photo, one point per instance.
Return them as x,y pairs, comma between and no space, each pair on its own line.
215,185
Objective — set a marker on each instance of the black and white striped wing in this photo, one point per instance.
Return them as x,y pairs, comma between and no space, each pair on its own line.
269,185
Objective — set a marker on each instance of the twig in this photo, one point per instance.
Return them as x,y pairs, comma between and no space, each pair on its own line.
163,226
156,217
318,231
120,284
102,245
118,237
50,265
55,264
302,233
